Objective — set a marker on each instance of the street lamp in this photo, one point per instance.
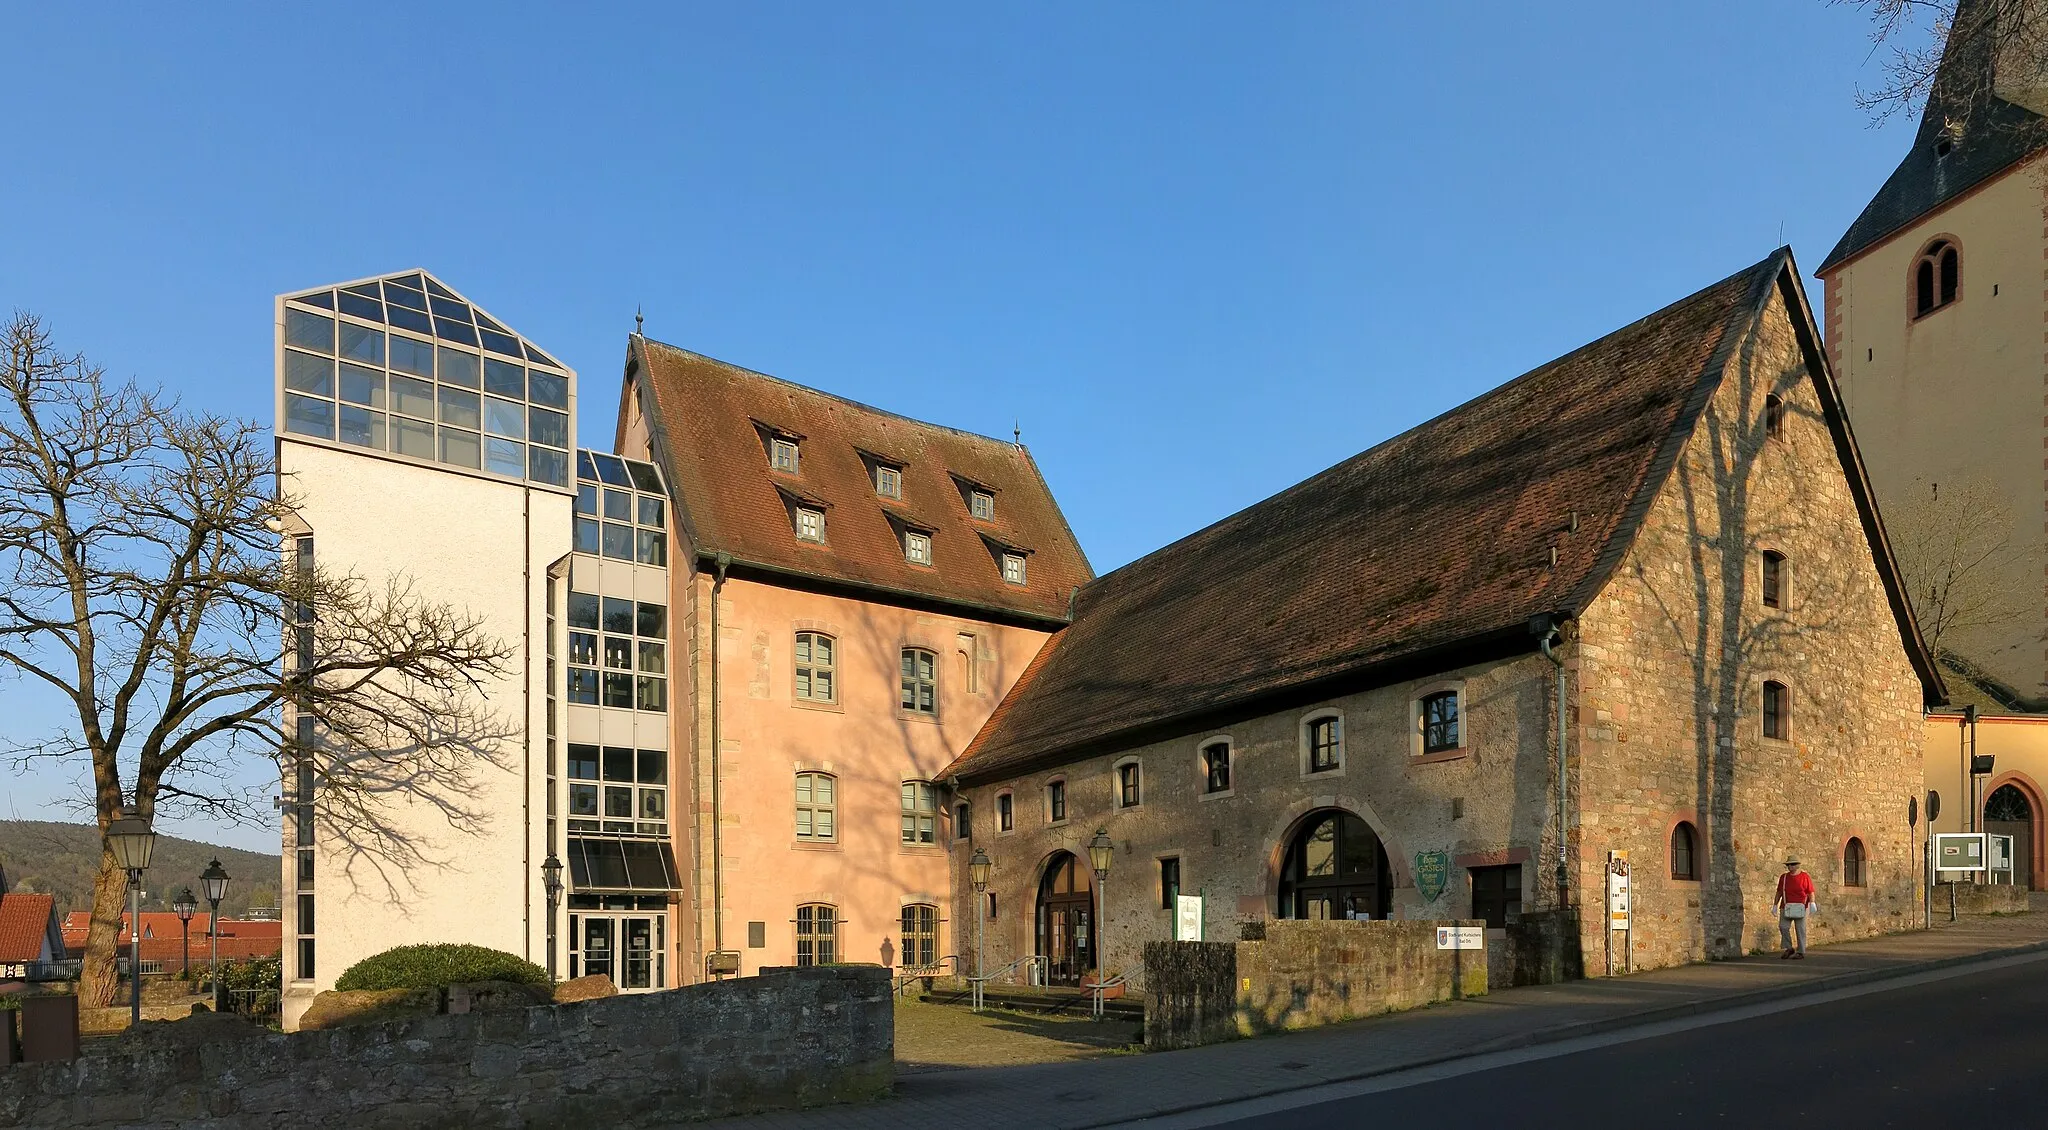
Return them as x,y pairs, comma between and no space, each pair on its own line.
215,882
1099,850
551,881
977,873
186,906
132,841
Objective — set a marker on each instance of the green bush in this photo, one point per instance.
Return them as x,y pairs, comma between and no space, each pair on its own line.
437,967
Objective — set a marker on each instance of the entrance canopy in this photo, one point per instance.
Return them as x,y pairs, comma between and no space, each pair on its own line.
599,864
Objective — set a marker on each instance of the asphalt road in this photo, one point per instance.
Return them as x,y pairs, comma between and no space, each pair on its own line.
1970,1051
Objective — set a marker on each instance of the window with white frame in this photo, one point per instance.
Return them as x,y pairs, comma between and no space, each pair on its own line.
1013,568
618,653
981,504
920,681
888,481
621,509
917,547
782,454
920,812
810,524
816,804
816,677
618,791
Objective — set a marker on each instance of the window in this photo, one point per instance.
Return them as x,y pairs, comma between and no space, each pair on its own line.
1497,894
1128,794
920,937
982,505
1936,277
1056,801
1684,854
618,791
1853,861
920,812
815,804
1006,812
1325,743
1774,416
920,682
888,481
917,547
629,641
814,671
817,934
1440,722
1777,711
611,520
1216,767
1774,579
810,524
782,454
1013,568
1169,882
963,825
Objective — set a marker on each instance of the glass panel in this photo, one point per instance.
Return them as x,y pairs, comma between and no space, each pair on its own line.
586,498
504,378
650,511
362,386
1319,850
618,764
618,616
533,354
653,658
360,343
653,621
582,686
451,308
618,541
651,547
411,320
458,368
484,320
618,690
551,389
551,428
461,449
362,427
308,417
583,648
653,767
544,466
362,307
418,282
618,653
586,534
653,804
322,298
504,418
505,457
644,476
582,800
610,468
409,437
585,469
412,397
653,694
308,331
404,296
583,762
455,331
583,611
460,408
502,343
618,801
618,504
304,372
412,356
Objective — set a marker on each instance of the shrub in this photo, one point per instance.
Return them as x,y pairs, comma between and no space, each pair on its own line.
437,967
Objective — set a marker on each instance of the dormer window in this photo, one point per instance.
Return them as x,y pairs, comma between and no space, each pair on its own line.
917,547
810,524
782,455
888,481
982,505
1013,568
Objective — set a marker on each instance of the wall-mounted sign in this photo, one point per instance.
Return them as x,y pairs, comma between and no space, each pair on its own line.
2001,853
1432,871
1617,890
1187,918
1461,937
1959,851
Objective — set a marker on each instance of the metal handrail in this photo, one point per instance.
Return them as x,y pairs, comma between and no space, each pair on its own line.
925,971
980,984
1095,991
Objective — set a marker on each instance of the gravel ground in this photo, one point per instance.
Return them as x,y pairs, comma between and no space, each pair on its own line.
937,1037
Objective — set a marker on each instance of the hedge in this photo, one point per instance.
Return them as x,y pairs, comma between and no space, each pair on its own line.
437,967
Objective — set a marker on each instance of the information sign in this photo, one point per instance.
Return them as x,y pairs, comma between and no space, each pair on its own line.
1617,890
1187,918
1432,871
1461,937
1959,851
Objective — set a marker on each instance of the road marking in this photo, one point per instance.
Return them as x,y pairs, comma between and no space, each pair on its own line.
1417,1076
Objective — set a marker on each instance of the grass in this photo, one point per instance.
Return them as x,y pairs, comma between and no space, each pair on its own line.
934,1036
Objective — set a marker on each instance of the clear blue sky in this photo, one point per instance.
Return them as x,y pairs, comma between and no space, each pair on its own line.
1199,251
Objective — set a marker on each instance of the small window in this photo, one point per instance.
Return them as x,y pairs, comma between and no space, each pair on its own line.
1774,416
920,682
981,504
1777,711
963,823
1216,767
1497,894
782,455
1853,863
888,481
816,678
1440,722
1169,882
917,547
920,937
1013,568
1773,579
1056,801
817,934
1937,277
1128,786
1684,858
1325,744
920,813
816,804
810,524
1006,812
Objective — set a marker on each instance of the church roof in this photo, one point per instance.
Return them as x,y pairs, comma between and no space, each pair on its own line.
1986,135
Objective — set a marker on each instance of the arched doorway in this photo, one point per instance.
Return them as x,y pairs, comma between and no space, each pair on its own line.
1334,867
1066,911
2008,812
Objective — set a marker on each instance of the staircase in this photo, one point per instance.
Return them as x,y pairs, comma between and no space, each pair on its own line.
1025,998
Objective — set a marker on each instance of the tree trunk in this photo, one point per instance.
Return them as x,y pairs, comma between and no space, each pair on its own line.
98,978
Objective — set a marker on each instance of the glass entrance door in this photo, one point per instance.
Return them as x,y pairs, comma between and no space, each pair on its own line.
597,947
639,961
631,949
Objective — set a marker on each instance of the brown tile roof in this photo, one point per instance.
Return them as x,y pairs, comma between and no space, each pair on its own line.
1397,560
25,920
710,419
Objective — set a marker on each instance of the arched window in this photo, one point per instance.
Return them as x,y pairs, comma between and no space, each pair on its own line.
1853,861
1335,868
920,937
1777,704
920,682
1773,579
1684,855
816,802
817,934
1937,276
815,681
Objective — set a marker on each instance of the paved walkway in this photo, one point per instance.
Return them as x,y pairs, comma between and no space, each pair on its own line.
1089,1093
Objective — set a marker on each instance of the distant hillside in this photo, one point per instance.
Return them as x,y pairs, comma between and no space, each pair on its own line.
60,859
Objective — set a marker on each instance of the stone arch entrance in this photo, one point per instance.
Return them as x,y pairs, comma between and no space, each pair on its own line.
1334,866
1066,917
2013,808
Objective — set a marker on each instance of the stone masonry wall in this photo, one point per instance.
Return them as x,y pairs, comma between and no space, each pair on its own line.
795,1039
1668,675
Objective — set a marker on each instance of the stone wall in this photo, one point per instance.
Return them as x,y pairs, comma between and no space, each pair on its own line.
801,1038
1301,975
1982,898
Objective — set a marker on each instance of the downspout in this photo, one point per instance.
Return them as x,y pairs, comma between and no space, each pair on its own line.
719,564
1556,636
526,724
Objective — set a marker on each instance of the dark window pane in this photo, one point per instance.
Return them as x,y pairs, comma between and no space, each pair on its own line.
586,499
451,308
360,343
411,320
321,298
583,686
458,368
411,356
533,354
653,767
455,331
650,511
583,610
586,534
551,389
362,386
368,308
418,282
618,616
544,466
504,378
644,476
618,542
618,505
400,295
651,547
618,690
306,416
611,469
653,694
583,648
303,372
583,762
484,320
551,428
308,331
585,468
502,343
653,621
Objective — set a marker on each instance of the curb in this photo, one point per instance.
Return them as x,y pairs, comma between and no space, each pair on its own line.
1562,1032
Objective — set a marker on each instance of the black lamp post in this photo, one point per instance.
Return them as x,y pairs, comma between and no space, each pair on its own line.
186,906
977,873
1099,851
215,882
551,881
132,841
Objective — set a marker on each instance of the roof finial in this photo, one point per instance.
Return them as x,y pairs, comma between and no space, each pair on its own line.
639,321
1017,433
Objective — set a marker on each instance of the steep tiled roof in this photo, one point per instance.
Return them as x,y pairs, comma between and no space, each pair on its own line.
24,924
1988,136
1428,546
711,421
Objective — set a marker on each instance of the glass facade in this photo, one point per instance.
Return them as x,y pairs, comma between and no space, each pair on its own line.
621,509
404,365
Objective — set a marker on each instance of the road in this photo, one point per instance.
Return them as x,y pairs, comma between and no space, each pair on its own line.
1970,1050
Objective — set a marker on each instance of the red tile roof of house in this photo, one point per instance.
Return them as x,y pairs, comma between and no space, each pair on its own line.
711,422
25,921
161,937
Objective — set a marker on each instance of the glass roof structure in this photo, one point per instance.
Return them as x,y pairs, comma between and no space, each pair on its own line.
621,509
404,366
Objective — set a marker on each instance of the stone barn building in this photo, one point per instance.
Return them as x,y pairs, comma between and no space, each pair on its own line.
1342,700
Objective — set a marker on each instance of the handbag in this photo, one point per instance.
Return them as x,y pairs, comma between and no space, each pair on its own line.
1793,910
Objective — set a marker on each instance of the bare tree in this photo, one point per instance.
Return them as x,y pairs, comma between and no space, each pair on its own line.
1916,35
141,581
1953,542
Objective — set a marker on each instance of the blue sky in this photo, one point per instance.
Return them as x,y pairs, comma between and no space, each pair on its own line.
1196,251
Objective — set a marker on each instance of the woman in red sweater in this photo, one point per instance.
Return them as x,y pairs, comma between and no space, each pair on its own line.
1794,903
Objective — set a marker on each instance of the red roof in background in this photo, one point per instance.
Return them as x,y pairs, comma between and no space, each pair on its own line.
24,923
161,935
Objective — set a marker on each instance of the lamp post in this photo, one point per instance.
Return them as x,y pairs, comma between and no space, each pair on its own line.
551,882
977,873
215,882
1099,850
132,841
185,905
